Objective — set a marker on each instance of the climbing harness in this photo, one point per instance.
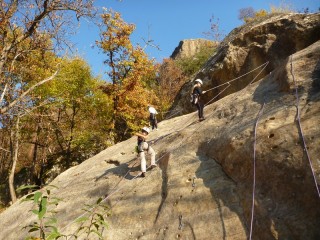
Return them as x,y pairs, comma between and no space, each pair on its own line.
194,98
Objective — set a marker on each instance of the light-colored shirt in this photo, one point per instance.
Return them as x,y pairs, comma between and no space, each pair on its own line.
153,110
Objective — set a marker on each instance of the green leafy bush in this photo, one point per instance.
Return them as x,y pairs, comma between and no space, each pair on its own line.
46,224
191,65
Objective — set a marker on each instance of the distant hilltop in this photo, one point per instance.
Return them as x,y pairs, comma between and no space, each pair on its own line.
189,47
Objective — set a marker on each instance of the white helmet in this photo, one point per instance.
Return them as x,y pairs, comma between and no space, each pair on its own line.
146,129
199,81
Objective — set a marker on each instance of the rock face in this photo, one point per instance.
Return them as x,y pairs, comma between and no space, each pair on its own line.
247,48
189,47
203,186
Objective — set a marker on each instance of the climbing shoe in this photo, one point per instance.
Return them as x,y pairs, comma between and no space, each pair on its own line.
143,174
153,166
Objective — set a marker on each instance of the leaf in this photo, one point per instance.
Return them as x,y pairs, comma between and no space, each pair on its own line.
34,229
100,216
35,211
53,186
52,220
28,198
96,232
103,223
96,225
99,200
37,196
53,235
23,187
82,219
43,207
54,228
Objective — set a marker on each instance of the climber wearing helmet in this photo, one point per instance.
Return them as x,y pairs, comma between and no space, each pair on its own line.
196,100
142,146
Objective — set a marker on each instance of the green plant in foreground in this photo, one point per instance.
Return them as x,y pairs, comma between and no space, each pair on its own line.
95,223
46,224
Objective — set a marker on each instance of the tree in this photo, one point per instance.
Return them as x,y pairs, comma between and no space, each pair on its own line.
79,109
25,27
129,70
261,13
33,22
170,79
245,13
191,65
215,33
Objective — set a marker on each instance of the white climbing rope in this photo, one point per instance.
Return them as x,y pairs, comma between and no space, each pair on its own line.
254,167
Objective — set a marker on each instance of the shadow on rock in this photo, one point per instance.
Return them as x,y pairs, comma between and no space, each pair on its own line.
224,195
121,170
163,164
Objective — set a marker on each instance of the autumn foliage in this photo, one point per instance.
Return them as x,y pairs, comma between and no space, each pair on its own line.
129,71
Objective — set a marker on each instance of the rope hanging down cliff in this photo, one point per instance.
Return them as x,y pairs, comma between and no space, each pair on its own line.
300,128
254,167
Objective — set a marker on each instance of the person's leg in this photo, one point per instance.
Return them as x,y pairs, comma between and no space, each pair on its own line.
143,162
201,106
155,123
153,156
150,121
199,109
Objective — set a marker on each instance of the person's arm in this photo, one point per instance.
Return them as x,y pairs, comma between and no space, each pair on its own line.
141,135
200,91
192,89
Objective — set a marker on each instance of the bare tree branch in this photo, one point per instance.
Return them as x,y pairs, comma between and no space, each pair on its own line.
4,149
5,109
3,93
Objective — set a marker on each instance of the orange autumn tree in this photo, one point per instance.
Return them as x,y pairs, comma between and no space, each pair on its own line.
130,72
170,79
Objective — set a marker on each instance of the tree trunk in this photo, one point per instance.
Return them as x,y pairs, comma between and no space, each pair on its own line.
35,174
72,126
14,154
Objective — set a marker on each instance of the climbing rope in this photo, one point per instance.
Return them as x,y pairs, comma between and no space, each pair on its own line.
254,167
228,82
173,113
218,94
232,80
300,127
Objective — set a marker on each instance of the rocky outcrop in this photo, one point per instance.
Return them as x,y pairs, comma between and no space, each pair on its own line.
189,47
247,48
203,186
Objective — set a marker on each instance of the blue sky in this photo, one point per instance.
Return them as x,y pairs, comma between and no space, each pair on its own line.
167,22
